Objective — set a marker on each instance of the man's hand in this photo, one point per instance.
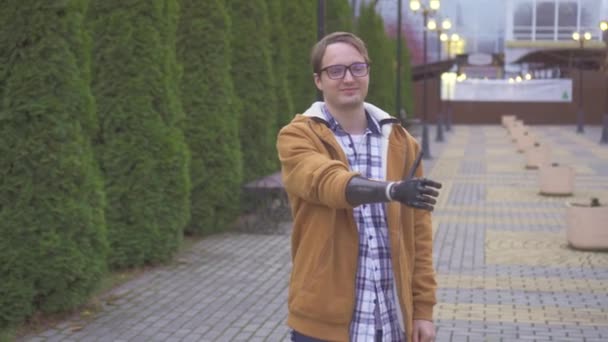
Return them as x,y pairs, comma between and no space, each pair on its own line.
424,331
416,192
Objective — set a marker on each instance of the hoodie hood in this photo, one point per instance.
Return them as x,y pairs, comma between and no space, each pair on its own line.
382,118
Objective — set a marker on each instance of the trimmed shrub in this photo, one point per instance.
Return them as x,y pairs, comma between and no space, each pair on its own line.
280,63
338,16
300,22
52,230
140,146
381,51
407,83
211,119
254,84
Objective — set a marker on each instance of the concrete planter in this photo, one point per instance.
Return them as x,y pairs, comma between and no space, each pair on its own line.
556,180
507,120
538,155
516,129
587,226
525,142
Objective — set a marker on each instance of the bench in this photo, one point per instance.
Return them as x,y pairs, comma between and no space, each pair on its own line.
265,206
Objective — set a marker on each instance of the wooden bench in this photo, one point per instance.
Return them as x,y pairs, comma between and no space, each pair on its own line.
265,206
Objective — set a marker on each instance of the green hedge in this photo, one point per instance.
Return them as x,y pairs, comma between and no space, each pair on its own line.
52,230
212,121
254,82
280,63
300,22
338,16
370,27
407,83
140,145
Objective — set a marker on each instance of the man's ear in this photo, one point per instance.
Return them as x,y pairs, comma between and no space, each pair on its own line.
317,80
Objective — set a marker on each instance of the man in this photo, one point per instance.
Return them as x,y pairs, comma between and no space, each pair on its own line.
362,236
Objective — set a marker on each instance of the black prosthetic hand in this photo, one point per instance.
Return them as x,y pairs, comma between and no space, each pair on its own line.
415,192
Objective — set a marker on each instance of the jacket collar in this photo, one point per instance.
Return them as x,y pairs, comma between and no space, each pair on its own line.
315,112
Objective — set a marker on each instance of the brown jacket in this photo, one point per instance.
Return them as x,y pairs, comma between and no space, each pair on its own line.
325,242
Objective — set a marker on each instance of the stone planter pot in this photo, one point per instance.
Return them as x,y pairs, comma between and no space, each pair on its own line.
516,129
538,155
556,180
525,142
507,120
586,225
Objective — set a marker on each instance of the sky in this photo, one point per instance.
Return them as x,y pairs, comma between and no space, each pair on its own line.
482,20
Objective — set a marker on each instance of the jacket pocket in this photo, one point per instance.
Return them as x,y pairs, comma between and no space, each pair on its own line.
327,294
333,308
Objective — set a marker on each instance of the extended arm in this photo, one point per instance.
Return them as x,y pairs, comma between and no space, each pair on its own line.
418,193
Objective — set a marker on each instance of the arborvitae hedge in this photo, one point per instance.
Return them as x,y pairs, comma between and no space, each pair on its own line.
381,51
140,146
280,63
300,22
52,229
254,84
338,16
407,83
212,129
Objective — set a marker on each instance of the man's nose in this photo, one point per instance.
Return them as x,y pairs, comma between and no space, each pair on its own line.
348,76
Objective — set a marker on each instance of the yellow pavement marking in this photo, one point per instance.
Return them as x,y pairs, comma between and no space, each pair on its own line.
522,314
445,168
501,152
531,194
512,167
548,284
537,249
444,194
467,218
494,210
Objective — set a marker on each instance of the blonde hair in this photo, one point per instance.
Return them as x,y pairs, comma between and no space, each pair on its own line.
318,51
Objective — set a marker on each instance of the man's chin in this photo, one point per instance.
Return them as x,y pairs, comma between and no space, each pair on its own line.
351,103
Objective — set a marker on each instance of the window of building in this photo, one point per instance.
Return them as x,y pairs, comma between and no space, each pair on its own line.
567,15
545,20
522,29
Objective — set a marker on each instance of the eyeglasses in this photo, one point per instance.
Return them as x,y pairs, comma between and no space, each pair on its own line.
338,71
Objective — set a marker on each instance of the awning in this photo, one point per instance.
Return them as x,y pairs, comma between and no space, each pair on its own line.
591,59
431,70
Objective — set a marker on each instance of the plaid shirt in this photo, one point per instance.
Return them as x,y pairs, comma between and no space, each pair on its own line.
375,303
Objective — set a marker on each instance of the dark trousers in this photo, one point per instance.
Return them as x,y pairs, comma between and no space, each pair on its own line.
297,337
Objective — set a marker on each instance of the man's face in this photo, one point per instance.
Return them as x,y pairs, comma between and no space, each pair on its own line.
348,91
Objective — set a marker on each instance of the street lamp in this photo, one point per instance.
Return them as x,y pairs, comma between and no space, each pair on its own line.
432,25
454,38
604,139
398,80
581,115
426,11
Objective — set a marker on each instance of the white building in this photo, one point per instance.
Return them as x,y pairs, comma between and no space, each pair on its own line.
544,24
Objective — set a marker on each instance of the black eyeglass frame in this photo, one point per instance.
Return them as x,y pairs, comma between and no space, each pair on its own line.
347,68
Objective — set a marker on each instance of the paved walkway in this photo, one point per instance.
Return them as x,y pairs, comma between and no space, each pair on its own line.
505,272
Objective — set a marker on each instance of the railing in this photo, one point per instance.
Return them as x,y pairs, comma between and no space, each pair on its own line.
552,33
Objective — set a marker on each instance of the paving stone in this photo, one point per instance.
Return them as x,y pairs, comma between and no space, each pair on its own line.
503,267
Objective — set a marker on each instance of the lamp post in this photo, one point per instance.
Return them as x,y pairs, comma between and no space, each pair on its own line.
398,85
581,115
417,6
454,38
434,26
604,138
